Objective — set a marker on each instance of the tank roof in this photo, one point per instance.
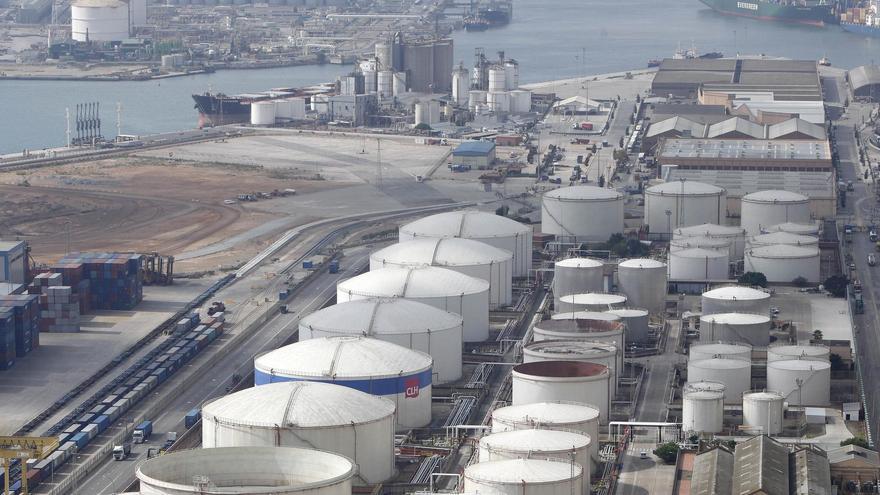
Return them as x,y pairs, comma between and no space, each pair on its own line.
785,238
381,316
685,188
703,395
794,228
775,196
571,347
536,440
99,3
520,471
736,292
721,363
561,369
642,263
709,229
784,251
584,193
764,395
629,312
799,365
736,318
705,385
799,350
557,412
596,316
699,253
422,281
593,298
580,325
468,223
580,263
452,251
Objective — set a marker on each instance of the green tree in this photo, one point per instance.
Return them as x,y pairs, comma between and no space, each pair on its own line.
836,362
502,211
817,336
800,282
858,441
423,127
667,452
836,285
753,278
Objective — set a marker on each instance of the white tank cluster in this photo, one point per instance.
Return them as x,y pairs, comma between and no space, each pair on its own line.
727,350
643,282
735,374
812,352
494,230
306,414
410,324
773,207
763,412
465,256
736,236
99,20
504,94
477,98
784,263
702,411
577,276
671,205
590,301
537,444
794,228
752,329
699,264
427,112
584,213
735,299
635,321
557,415
603,353
379,368
524,476
547,381
802,382
439,287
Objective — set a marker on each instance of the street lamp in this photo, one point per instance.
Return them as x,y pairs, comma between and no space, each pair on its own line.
669,222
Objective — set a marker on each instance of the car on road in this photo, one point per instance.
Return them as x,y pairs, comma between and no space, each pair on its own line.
643,454
872,259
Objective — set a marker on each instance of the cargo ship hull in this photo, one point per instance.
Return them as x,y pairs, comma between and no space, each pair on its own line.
221,110
812,13
862,29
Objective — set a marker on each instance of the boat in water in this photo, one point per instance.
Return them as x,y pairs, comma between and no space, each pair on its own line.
810,12
221,109
489,15
864,21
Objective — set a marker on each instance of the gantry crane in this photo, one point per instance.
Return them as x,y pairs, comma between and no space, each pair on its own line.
23,448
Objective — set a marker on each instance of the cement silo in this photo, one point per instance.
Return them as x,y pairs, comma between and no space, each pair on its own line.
590,301
262,113
671,205
735,299
735,235
306,414
811,228
520,101
379,368
726,350
699,264
702,411
498,101
784,263
577,276
465,256
735,374
398,84
766,208
786,238
547,381
494,230
99,20
736,327
524,476
476,97
584,213
247,470
559,415
537,444
643,282
410,324
593,329
603,353
460,86
763,412
811,352
497,80
385,84
511,74
439,287
801,382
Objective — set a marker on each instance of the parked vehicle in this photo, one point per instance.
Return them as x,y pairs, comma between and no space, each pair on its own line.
142,432
170,438
872,259
192,418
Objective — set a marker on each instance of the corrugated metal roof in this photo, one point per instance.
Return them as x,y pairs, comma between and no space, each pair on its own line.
736,125
760,463
548,412
812,473
796,126
864,75
518,471
536,441
474,148
848,452
467,224
681,125
415,282
712,474
584,193
745,149
442,252
381,317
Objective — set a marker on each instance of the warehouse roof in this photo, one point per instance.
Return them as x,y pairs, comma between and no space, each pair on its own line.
680,125
854,452
474,148
864,75
712,472
796,127
735,127
760,466
746,149
812,474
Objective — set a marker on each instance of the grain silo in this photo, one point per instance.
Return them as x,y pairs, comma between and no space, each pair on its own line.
582,213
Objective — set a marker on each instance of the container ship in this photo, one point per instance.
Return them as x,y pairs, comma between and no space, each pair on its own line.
810,12
864,21
220,109
489,15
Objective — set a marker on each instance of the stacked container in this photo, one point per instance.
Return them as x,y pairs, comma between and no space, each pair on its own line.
26,317
7,338
116,280
59,305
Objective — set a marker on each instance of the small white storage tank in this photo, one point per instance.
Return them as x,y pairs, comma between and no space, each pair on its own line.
511,74
784,263
497,79
378,368
736,327
806,352
702,411
576,276
99,20
636,322
422,113
247,470
283,109
557,415
736,236
735,299
537,444
306,414
643,282
585,213
698,264
546,381
763,412
811,228
788,238
476,97
370,81
524,476
262,113
494,230
520,101
801,382
298,107
465,256
727,350
439,287
590,301
460,84
410,324
703,385
772,207
735,374
598,327
498,101
604,353
385,84
398,85
710,243
689,202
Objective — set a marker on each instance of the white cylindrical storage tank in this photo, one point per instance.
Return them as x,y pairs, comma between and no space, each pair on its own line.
439,287
559,415
794,228
524,476
494,230
298,107
699,264
378,368
736,327
643,281
370,81
398,85
460,84
422,113
735,374
476,97
801,382
537,444
138,10
772,207
804,352
784,263
99,20
306,414
710,243
703,385
699,352
604,353
511,74
466,256
763,412
497,80
687,203
590,301
787,238
547,381
263,113
584,315
702,411
410,324
577,276
586,213
584,325
434,111
498,101
384,52
735,299
736,236
283,109
636,322
247,470
520,101
385,84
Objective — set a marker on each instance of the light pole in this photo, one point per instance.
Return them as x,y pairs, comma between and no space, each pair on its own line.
69,223
669,222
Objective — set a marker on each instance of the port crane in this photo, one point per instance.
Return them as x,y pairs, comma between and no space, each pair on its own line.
23,448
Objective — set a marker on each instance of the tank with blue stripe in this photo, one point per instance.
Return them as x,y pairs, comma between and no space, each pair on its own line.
378,386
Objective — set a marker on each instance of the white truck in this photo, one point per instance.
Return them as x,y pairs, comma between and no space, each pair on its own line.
120,452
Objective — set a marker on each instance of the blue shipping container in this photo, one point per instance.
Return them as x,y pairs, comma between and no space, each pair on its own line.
192,418
103,423
81,440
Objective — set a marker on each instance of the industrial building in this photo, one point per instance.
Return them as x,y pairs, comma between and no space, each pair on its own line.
13,262
738,128
427,63
475,154
351,109
865,81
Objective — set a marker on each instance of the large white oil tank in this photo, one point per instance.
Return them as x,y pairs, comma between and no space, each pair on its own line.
476,97
687,203
460,85
545,381
398,84
772,207
520,101
283,109
784,263
439,287
763,412
636,322
138,10
410,324
489,228
806,352
736,327
704,385
262,113
735,374
306,414
434,109
373,366
497,80
643,282
788,238
422,113
735,299
557,415
604,353
577,276
802,382
370,81
711,243
385,84
736,236
727,350
498,101
537,444
590,301
583,325
702,411
511,74
699,264
585,213
466,256
298,107
794,228
99,20
524,476
247,470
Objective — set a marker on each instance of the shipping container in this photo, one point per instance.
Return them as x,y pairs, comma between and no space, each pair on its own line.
81,439
91,430
192,418
112,413
85,418
161,375
103,422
